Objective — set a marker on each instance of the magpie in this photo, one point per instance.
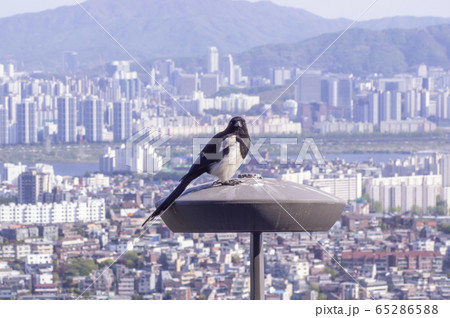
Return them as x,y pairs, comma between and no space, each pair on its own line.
221,157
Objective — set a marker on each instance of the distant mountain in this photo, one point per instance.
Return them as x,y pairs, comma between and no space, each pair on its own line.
358,51
402,22
162,28
153,28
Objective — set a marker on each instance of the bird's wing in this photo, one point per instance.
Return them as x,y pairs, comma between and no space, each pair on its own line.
244,145
227,142
214,145
211,153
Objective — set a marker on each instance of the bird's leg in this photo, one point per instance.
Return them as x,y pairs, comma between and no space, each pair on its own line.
217,183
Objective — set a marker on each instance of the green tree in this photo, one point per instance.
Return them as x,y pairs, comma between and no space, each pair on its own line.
334,273
55,277
445,228
314,287
80,267
106,263
395,209
377,207
6,201
131,259
366,196
441,207
416,210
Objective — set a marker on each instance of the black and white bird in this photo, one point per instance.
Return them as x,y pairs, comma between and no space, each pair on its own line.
221,157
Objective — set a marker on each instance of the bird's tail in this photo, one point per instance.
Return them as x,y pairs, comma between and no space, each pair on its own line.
172,197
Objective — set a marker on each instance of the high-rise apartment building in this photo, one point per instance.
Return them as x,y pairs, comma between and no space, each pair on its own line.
347,187
405,192
10,70
227,68
374,108
337,91
130,86
32,186
411,104
116,67
10,102
237,74
27,122
279,76
385,106
122,120
164,70
209,84
308,88
445,170
4,136
396,106
425,110
213,60
93,118
185,84
67,119
443,106
345,94
10,173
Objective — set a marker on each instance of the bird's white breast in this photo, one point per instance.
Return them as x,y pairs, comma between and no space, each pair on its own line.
226,168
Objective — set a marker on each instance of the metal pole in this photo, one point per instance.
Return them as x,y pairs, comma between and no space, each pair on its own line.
256,266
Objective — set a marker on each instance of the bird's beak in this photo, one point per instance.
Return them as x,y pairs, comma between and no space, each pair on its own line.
238,124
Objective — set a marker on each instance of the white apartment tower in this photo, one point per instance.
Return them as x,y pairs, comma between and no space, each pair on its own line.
27,122
4,136
67,119
122,120
93,118
374,108
445,170
213,60
228,69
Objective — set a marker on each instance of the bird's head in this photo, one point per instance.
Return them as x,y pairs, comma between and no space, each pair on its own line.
238,125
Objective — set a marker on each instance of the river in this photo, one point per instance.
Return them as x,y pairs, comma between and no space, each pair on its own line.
80,168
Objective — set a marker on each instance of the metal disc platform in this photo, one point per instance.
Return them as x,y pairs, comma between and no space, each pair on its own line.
256,205
253,205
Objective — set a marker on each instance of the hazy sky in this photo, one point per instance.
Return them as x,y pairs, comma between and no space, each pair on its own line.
11,7
382,8
326,8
